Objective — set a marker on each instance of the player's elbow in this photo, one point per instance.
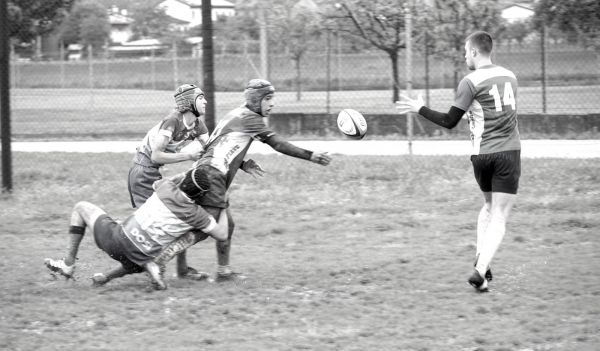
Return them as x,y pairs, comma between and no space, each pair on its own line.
451,124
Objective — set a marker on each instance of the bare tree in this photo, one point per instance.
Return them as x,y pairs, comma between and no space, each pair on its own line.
381,23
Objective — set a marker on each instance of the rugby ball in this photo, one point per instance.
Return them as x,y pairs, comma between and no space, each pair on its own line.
352,123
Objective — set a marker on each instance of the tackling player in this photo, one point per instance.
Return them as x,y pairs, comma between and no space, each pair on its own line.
225,152
488,97
171,212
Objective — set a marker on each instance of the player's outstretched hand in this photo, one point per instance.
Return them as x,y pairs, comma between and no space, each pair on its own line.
321,158
254,169
406,104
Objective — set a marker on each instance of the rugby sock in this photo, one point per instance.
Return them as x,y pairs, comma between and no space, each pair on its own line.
76,235
483,220
493,237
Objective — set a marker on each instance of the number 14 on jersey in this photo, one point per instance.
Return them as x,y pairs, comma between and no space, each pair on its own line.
508,98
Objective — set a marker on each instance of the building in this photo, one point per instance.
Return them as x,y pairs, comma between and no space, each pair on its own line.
517,12
189,12
120,25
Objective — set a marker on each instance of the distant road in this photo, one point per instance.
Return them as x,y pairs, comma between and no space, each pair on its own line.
530,148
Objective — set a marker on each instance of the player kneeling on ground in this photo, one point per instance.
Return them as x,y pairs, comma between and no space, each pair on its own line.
170,213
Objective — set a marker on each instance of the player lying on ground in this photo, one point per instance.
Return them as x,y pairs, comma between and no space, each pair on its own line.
171,212
227,147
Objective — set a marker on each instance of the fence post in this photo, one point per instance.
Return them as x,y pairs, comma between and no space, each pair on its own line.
175,67
409,116
328,72
62,64
5,132
263,36
543,62
152,69
91,74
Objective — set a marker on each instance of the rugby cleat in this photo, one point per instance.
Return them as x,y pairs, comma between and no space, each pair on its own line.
230,277
488,275
192,274
478,282
59,266
155,272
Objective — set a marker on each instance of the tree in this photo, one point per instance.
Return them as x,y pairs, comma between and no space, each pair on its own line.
29,19
381,23
86,24
449,22
150,21
298,28
580,17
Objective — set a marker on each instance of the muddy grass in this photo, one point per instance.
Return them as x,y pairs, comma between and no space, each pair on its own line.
371,253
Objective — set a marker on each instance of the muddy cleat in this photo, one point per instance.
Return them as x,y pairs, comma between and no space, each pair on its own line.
478,282
192,274
155,272
230,277
59,266
99,279
488,275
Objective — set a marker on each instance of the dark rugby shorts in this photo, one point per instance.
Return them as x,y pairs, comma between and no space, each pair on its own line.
106,234
498,171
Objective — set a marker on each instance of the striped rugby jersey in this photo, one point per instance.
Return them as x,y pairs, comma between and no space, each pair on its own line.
174,128
231,139
164,217
489,95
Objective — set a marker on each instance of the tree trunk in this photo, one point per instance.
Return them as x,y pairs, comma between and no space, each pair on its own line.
208,66
395,75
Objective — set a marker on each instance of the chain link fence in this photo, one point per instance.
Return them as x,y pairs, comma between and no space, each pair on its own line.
114,98
99,97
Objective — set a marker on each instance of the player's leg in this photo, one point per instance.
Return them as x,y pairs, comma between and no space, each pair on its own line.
483,219
502,204
224,271
506,171
482,223
99,279
84,215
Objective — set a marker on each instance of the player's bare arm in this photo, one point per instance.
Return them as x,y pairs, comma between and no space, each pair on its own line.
203,139
160,156
447,120
283,146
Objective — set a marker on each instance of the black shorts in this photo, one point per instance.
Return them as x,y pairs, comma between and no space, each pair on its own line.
217,195
498,172
106,234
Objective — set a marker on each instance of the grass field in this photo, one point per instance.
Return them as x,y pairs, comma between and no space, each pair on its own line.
370,253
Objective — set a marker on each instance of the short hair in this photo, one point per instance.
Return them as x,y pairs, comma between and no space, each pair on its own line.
482,41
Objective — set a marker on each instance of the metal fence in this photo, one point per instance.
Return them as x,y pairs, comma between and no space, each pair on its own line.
111,99
121,99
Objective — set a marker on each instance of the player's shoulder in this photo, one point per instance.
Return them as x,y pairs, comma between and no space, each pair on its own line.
172,119
483,74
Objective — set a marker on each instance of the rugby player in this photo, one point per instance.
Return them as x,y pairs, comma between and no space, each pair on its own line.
172,211
488,98
224,155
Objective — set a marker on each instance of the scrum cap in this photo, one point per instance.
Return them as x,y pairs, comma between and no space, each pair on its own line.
185,98
195,183
255,92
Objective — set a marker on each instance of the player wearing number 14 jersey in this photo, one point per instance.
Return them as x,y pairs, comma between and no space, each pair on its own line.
488,98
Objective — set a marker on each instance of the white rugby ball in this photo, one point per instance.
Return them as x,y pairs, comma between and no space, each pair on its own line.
352,123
